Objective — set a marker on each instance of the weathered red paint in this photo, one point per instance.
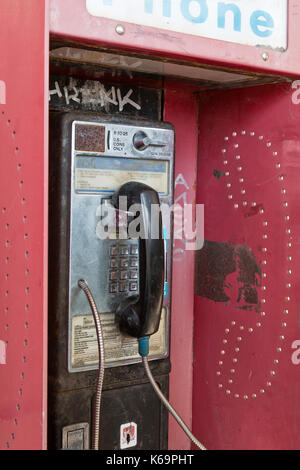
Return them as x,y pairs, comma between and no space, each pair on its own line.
83,27
23,223
245,388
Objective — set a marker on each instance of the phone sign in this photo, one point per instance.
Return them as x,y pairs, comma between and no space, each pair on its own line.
251,22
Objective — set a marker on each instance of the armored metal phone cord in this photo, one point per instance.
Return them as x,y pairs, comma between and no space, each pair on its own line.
165,401
97,404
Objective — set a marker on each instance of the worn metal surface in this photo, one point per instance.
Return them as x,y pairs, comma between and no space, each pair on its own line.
246,341
23,219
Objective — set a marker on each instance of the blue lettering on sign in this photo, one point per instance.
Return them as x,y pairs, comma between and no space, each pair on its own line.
261,22
185,10
261,19
223,8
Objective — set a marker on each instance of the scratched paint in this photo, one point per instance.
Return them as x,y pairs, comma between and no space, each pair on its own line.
2,352
228,273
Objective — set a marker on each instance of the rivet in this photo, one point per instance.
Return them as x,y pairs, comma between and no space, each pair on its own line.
262,391
230,381
286,311
261,137
120,29
239,168
275,154
265,56
245,203
229,196
243,191
242,327
233,323
232,371
289,285
220,386
236,206
220,363
227,330
245,397
258,325
278,165
241,180
236,146
287,299
254,395
238,157
252,133
281,337
272,372
225,341
225,162
226,138
234,360
228,185
250,330
218,372
222,352
269,384
228,392
276,361
287,217
263,301
237,349
269,144
224,150
239,338
236,395
283,191
279,349
263,314
234,134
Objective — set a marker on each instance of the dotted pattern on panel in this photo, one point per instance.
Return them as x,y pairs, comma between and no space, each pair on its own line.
13,209
236,185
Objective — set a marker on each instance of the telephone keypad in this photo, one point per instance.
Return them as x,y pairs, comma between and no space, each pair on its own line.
123,272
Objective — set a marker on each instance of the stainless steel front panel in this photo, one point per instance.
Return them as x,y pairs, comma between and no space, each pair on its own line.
99,150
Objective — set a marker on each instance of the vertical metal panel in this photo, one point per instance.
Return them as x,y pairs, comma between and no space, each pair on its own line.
246,372
182,111
23,223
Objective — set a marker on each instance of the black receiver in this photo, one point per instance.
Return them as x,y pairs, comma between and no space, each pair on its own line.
140,315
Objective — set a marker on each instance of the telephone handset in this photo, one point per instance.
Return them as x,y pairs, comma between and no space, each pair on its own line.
139,316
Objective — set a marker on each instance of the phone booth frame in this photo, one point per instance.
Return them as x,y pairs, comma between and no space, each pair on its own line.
24,103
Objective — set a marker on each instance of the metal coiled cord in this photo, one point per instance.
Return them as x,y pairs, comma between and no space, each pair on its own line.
169,406
97,405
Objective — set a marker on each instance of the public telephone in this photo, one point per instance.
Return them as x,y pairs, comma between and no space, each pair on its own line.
109,179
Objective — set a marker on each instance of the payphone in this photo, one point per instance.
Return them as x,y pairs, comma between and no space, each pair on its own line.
106,173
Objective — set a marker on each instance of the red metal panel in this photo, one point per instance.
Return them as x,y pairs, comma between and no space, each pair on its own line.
181,109
246,372
70,19
23,223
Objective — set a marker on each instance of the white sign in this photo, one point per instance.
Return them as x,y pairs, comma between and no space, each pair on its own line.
251,22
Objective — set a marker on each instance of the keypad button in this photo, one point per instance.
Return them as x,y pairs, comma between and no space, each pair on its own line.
113,275
114,263
113,288
134,250
124,263
124,250
133,274
114,250
134,262
133,286
123,287
124,275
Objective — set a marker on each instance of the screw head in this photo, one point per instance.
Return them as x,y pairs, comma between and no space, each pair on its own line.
120,29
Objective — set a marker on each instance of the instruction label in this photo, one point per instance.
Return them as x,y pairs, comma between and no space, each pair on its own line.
118,347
